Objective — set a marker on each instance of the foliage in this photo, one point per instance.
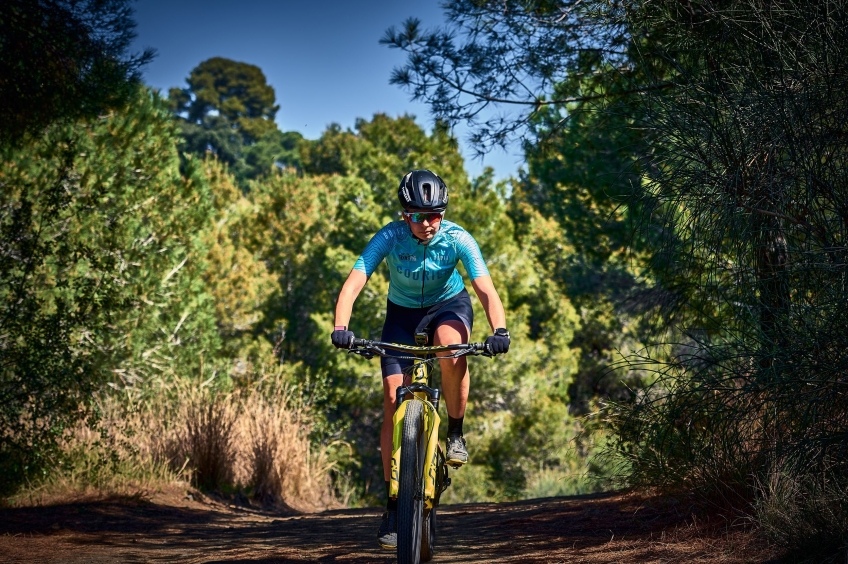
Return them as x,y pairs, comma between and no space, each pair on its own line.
748,189
63,60
120,273
498,63
237,280
228,109
98,232
234,91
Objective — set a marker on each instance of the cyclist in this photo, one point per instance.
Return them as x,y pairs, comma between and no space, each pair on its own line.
426,293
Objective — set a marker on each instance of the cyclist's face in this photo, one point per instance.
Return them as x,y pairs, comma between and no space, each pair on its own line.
426,228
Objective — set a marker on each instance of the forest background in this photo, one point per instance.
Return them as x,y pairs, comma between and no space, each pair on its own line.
672,260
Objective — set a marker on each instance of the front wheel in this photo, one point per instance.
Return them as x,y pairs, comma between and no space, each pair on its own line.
428,536
411,486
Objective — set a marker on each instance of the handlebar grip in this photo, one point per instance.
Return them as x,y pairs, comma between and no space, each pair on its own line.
358,342
482,350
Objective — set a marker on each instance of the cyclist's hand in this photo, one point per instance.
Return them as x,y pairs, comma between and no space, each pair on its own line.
499,342
342,338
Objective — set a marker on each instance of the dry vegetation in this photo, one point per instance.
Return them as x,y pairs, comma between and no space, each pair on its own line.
251,443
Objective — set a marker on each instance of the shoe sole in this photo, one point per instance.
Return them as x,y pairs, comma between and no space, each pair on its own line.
455,462
387,546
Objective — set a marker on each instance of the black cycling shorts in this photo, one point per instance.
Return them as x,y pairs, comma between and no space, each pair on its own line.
402,323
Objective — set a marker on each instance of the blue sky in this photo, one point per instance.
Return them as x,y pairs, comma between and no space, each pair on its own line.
323,58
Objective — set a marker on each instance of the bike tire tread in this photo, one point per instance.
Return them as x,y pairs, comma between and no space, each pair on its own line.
410,509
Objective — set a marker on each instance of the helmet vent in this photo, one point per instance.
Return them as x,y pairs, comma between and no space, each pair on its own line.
427,190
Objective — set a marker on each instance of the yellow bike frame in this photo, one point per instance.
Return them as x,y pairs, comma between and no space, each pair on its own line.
431,433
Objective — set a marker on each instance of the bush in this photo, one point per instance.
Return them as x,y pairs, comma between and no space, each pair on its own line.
253,441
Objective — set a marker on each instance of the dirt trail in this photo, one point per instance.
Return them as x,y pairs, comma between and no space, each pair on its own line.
175,528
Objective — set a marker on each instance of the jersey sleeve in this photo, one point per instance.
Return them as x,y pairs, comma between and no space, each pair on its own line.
471,256
375,251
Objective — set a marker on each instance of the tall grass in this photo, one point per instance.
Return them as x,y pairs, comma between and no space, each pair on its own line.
804,510
252,441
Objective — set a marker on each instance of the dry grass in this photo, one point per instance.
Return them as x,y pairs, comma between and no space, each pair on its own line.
252,441
806,512
277,457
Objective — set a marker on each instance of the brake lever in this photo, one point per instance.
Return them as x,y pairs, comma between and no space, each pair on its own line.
473,352
364,353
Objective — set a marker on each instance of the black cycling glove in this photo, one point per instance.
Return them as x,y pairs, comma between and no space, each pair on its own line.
342,338
499,342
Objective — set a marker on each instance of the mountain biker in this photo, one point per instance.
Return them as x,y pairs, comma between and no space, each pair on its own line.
426,293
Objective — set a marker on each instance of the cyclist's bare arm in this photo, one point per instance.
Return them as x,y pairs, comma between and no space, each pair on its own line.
350,291
491,301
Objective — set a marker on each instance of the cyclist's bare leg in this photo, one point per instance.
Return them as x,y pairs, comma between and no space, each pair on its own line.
455,377
390,386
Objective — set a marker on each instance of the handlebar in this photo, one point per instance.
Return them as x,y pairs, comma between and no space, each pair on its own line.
368,349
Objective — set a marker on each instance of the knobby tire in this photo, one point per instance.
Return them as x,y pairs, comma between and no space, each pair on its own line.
428,536
411,487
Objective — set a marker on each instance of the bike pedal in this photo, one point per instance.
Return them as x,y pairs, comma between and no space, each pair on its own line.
455,464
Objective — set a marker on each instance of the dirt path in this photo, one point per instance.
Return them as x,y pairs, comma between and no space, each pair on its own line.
594,529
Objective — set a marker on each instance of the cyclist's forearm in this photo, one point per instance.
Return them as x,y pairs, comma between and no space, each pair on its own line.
491,301
494,311
350,291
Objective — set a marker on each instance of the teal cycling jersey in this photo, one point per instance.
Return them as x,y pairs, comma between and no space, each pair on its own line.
420,274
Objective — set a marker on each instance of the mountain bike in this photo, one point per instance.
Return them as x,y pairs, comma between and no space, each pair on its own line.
419,469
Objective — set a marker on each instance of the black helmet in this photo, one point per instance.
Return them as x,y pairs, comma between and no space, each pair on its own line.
424,191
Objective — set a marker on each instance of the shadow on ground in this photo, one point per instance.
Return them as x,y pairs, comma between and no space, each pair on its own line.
591,529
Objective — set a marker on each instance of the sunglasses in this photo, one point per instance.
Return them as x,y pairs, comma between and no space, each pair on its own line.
420,217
